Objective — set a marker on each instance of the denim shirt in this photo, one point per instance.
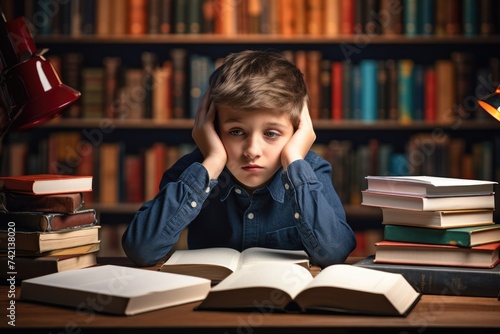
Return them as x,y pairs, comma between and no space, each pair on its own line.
296,209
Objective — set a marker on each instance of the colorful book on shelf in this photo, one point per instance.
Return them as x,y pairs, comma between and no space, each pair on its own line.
134,290
443,280
29,267
483,256
62,203
48,221
44,184
39,242
421,203
218,263
437,219
337,288
429,186
463,236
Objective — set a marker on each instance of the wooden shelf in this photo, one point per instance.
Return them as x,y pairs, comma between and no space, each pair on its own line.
265,39
187,124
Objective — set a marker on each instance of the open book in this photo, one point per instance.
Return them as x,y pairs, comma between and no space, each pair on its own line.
291,288
217,263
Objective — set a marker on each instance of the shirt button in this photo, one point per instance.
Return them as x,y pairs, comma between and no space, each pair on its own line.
207,190
193,204
237,190
250,215
296,215
287,186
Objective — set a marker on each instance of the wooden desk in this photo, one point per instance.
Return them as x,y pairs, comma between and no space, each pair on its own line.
432,314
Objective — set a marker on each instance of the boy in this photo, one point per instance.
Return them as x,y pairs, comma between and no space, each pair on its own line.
252,181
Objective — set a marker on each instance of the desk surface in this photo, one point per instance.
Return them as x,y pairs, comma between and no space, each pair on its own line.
432,314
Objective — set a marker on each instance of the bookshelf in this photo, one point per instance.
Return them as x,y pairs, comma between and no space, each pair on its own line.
463,146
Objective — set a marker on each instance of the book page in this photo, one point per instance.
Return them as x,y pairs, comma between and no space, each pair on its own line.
258,254
349,277
287,277
225,257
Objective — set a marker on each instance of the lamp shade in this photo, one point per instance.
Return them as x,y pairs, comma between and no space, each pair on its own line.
30,88
34,93
491,103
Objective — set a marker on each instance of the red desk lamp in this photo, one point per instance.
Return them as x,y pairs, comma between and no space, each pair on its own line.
29,85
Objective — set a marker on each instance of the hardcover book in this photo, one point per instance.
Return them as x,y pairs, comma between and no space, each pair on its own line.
63,203
29,267
463,236
421,203
132,291
43,184
287,287
483,256
218,263
443,280
46,222
39,242
430,186
437,219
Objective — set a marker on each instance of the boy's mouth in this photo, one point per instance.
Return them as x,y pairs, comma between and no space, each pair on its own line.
252,168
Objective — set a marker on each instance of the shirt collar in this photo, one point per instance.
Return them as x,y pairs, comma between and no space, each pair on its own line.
274,187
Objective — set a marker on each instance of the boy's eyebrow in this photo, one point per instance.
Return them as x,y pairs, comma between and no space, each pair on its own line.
268,124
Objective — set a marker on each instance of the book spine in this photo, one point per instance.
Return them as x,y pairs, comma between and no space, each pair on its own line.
369,103
434,281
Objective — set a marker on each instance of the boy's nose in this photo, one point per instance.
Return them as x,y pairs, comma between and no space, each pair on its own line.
252,148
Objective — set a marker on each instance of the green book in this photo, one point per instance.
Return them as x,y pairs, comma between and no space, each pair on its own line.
463,236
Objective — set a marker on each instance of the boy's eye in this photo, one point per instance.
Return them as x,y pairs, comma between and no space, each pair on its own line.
272,134
236,132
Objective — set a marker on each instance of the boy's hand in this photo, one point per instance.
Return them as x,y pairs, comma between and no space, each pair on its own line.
207,139
301,141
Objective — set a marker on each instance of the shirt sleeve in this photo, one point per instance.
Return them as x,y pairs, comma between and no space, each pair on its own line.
318,211
157,225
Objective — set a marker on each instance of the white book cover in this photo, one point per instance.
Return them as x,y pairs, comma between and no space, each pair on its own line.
120,290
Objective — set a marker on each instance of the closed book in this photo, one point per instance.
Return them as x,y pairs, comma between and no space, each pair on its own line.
47,241
42,184
432,186
437,219
29,267
45,221
462,236
421,203
369,94
127,291
62,203
76,250
483,256
406,103
443,280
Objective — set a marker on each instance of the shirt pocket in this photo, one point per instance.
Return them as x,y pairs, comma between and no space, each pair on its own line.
284,238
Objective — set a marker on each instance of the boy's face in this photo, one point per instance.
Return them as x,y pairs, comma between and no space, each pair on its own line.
253,141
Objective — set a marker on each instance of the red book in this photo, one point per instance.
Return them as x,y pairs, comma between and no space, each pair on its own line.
430,94
46,221
347,17
64,203
337,90
43,184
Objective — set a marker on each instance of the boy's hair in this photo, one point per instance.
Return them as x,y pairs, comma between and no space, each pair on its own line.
252,80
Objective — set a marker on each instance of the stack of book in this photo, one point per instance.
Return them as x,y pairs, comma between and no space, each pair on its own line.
438,232
44,226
